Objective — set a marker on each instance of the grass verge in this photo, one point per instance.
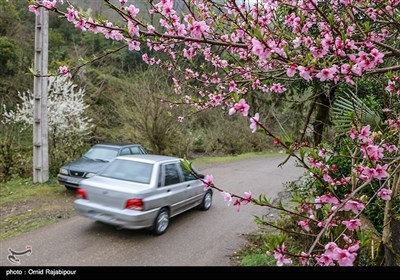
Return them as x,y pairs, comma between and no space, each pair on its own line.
26,206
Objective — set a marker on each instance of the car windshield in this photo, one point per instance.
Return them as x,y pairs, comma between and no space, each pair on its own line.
128,170
101,153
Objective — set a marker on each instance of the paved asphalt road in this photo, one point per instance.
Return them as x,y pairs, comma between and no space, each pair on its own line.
195,238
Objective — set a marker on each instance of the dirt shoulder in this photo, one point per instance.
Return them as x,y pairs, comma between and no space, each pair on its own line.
25,206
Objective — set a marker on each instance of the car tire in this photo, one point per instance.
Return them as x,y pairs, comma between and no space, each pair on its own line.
161,222
207,201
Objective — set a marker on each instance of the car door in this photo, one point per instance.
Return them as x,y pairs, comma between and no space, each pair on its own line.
174,187
194,187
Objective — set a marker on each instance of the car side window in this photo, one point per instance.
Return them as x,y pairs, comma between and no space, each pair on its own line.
187,176
136,150
125,151
171,174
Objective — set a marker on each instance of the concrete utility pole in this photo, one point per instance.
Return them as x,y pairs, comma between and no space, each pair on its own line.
40,80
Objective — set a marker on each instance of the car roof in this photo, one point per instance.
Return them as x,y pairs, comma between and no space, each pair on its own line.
149,158
119,145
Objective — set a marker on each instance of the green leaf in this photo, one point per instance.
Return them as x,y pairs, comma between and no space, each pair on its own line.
258,220
349,109
235,97
187,164
367,26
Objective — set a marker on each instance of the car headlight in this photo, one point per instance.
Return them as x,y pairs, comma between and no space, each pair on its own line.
63,171
88,175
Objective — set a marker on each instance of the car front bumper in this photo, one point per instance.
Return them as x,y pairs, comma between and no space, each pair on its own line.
69,181
123,218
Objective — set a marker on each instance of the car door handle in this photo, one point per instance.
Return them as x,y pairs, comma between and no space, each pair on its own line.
168,190
188,186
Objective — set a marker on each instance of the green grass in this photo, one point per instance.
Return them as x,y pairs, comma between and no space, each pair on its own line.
15,225
225,159
26,206
258,260
20,189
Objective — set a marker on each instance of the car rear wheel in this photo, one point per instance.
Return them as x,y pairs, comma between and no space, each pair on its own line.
161,222
207,201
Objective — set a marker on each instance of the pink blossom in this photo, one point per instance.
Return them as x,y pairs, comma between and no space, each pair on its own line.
90,24
322,153
326,198
227,197
325,260
328,179
278,88
132,28
353,205
34,9
189,53
208,182
380,172
65,71
236,204
276,141
241,106
254,122
123,2
151,29
352,224
198,29
133,11
247,198
50,4
391,86
390,148
384,194
305,73
365,133
330,249
133,45
71,14
304,224
353,134
258,48
304,258
355,247
326,74
373,152
344,257
347,238
291,71
318,52
279,255
145,58
81,24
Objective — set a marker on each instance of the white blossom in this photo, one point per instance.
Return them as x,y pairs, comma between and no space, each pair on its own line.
65,108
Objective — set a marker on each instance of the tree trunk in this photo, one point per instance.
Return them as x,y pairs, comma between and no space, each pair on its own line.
322,117
387,217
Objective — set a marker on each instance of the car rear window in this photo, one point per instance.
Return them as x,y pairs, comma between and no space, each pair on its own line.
128,170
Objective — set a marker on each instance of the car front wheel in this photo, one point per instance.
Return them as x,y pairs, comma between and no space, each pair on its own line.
161,222
207,201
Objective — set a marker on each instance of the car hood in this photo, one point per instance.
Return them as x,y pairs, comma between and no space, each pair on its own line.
86,165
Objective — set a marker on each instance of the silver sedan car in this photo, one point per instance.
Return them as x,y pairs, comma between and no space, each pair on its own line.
141,191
